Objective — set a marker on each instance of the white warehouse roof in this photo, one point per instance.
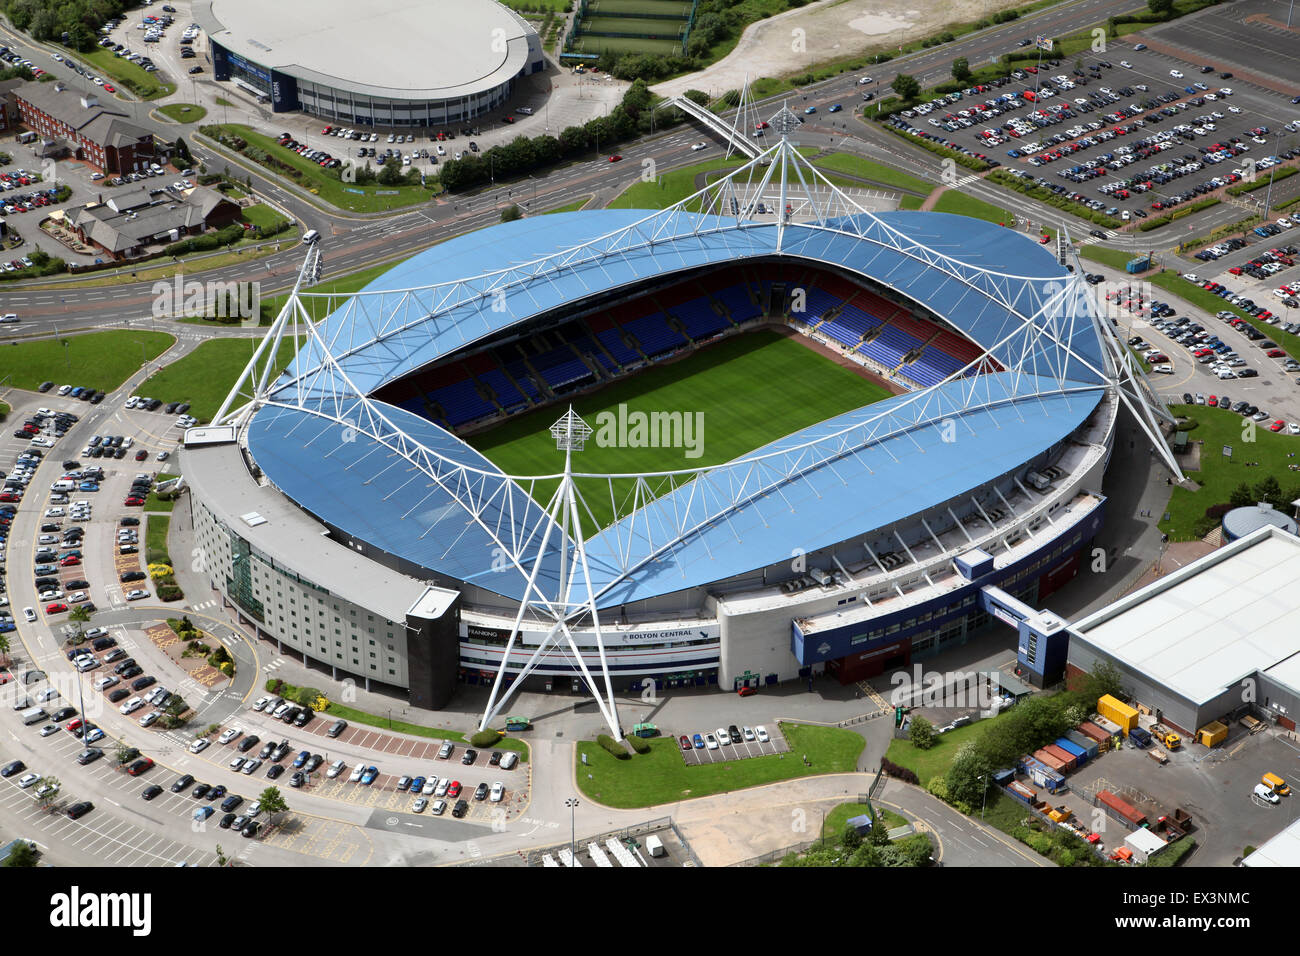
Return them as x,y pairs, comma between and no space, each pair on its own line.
1213,622
400,49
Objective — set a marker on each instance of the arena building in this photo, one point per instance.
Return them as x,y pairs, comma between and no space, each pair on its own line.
387,63
344,512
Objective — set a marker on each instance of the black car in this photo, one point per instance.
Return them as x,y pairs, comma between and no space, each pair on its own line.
231,802
289,715
495,759
9,769
125,665
217,792
469,757
120,694
200,790
62,714
129,522
248,743
133,576
735,734
267,749
460,809
304,717
140,683
275,771
151,792
77,583
251,829
46,386
1187,398
129,754
181,783
481,791
314,761
226,821
281,751
79,810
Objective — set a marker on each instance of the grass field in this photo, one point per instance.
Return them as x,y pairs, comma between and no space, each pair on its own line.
123,72
927,764
963,205
661,776
677,8
264,217
184,112
153,503
876,172
339,711
837,818
205,376
669,29
327,185
591,44
1115,258
911,202
670,187
1219,475
727,388
570,207
102,360
532,6
155,539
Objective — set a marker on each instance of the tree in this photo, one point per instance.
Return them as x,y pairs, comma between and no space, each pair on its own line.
47,791
961,69
390,175
183,151
922,734
851,838
1269,491
969,776
1241,496
906,86
4,648
697,96
124,752
80,614
272,802
23,854
1161,7
222,859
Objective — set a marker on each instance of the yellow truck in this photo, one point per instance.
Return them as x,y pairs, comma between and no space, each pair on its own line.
1166,736
1276,784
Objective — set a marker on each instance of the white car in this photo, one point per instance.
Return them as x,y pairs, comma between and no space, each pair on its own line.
336,768
698,146
27,779
761,733
1176,74
1163,369
357,771
429,787
136,594
1294,428
102,683
77,597
723,736
228,735
497,792
198,745
29,615
55,513
261,702
1126,64
443,786
149,719
711,741
135,703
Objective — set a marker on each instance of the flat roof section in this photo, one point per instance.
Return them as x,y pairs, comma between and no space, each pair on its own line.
1206,626
287,535
398,49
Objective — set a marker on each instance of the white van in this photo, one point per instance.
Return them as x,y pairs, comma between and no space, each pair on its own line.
37,714
63,484
310,236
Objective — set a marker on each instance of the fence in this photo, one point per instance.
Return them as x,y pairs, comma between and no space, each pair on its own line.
650,826
775,855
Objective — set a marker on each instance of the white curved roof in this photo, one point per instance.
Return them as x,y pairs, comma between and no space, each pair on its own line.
399,49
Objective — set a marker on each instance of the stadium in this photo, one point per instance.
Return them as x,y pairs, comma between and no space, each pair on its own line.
758,435
387,63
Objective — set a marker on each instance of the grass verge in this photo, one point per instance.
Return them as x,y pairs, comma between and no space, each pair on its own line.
876,172
146,85
205,376
101,360
661,776
184,112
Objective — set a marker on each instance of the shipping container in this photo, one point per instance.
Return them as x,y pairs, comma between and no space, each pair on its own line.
1139,737
1053,761
1070,747
1068,760
1004,777
1109,726
1041,774
1213,734
1121,808
1082,740
1116,710
1018,791
1097,734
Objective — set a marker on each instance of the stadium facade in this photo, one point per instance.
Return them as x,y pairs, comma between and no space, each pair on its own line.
342,512
386,63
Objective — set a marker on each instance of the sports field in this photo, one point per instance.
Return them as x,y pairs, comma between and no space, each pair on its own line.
636,26
590,44
737,395
670,8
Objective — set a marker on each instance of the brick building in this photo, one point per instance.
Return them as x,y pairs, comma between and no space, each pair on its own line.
76,123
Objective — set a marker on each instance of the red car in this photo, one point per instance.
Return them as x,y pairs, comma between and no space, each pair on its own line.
1277,426
134,502
1044,240
140,766
58,608
454,789
73,726
747,691
69,561
615,158
685,742
110,88
10,496
508,119
1276,353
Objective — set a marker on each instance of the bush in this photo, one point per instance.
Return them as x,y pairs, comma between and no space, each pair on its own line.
170,592
639,744
612,746
891,769
485,738
1186,425
922,734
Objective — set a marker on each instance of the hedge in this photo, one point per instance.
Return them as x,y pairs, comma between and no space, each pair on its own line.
484,738
639,745
206,243
1030,188
970,162
1274,175
612,746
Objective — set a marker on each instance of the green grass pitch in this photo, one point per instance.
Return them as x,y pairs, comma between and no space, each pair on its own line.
750,390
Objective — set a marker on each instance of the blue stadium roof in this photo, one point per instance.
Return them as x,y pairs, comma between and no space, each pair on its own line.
730,519
974,274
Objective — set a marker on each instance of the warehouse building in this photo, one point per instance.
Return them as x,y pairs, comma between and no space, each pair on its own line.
1213,639
75,123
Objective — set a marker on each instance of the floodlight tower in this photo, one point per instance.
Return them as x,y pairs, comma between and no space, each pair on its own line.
573,600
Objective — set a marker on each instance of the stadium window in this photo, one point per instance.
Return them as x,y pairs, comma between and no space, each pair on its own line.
391,671
892,628
355,662
372,643
391,661
372,653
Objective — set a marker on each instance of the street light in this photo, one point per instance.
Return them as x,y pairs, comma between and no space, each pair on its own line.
572,804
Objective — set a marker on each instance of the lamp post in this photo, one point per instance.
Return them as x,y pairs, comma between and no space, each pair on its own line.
1268,200
572,804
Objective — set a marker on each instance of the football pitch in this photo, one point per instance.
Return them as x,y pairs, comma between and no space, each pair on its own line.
713,406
